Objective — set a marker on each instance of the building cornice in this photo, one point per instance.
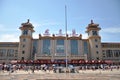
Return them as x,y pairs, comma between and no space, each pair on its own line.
93,37
25,36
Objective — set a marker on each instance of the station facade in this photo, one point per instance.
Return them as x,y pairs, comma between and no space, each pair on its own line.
59,46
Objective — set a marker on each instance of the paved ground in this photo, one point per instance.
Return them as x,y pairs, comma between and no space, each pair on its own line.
82,75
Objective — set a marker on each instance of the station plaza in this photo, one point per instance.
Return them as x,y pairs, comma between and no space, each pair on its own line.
43,72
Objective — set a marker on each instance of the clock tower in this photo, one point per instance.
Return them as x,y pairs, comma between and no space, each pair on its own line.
94,41
25,45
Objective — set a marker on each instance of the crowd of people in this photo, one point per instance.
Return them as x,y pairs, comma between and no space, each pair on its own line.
14,67
44,67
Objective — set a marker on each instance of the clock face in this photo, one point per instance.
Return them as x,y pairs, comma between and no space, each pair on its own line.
94,32
25,32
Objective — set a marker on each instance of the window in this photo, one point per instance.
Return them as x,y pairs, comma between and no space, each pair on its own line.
119,53
116,54
23,52
103,56
85,44
103,50
25,32
22,58
23,45
97,58
96,46
10,52
74,47
96,40
97,52
46,47
94,33
35,46
109,53
2,52
24,40
103,53
60,47
16,53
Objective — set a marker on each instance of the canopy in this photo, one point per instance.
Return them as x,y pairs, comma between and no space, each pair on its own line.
13,61
108,62
73,61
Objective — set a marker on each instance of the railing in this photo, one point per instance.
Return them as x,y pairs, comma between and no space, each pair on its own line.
60,57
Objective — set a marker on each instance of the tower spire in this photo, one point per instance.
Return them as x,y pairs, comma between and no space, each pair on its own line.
28,20
92,21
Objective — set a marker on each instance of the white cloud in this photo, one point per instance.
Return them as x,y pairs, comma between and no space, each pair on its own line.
35,35
111,30
49,24
41,27
5,36
46,23
84,36
36,24
9,38
4,28
1,26
110,34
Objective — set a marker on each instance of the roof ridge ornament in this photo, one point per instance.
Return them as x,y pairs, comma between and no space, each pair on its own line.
92,21
28,20
60,33
73,33
46,32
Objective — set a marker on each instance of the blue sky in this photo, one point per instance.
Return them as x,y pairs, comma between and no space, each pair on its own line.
50,14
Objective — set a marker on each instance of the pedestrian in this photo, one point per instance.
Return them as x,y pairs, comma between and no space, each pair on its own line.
33,68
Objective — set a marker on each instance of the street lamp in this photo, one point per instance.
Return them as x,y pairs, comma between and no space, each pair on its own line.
66,35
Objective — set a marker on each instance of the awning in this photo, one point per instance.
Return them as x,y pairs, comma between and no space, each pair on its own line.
108,61
13,61
21,61
77,61
73,61
42,61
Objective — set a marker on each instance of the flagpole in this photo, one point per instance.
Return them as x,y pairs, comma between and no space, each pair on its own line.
66,35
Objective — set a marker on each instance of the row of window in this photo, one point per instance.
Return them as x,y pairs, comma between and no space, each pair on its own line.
96,46
60,47
111,53
8,53
85,47
109,45
24,40
9,45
